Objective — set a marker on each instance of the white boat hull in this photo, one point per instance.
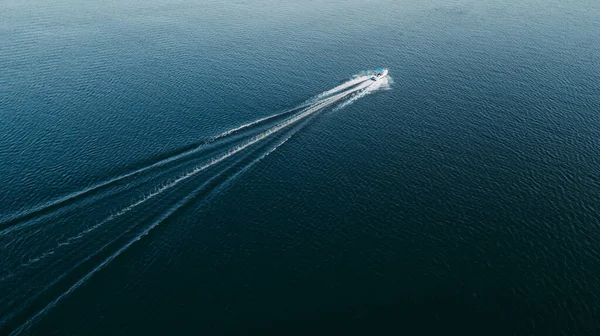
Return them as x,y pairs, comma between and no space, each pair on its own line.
379,76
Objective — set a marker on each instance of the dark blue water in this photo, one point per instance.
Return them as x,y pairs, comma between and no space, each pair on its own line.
460,197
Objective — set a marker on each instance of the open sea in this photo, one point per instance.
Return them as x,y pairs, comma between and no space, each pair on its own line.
181,167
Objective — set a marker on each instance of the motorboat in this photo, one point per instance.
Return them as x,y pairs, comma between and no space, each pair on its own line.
379,74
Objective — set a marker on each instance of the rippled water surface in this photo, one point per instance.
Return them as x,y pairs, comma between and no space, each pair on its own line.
228,167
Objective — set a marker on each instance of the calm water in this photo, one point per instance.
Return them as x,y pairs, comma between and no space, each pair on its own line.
461,197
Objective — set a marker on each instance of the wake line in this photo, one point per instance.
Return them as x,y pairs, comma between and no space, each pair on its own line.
120,251
11,225
350,83
326,102
361,93
219,159
157,222
293,120
206,185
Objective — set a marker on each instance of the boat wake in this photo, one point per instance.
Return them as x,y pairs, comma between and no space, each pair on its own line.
67,245
383,83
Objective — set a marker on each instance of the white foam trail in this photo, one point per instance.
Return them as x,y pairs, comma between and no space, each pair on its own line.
363,89
343,86
155,224
307,112
237,149
253,123
140,170
316,99
189,174
382,83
